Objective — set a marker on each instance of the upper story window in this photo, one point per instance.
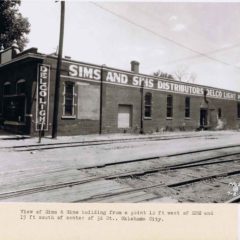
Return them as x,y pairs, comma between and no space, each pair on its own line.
21,86
148,105
187,107
7,88
68,108
169,106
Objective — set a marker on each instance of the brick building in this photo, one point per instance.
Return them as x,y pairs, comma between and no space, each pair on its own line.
101,99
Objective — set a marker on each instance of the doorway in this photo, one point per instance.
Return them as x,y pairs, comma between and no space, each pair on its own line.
124,116
203,118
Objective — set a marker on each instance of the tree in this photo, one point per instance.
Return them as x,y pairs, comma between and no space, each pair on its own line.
13,26
159,73
183,74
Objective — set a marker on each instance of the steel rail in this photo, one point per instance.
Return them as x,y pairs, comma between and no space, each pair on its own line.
235,199
157,157
190,181
48,146
111,177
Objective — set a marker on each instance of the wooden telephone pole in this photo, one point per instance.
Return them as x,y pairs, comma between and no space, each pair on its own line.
58,72
141,112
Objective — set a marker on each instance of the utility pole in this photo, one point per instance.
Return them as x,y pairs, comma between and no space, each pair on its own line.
58,71
101,100
142,93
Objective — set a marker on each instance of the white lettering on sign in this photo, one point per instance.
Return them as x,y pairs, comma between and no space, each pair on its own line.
214,93
42,97
138,80
84,72
180,88
228,95
116,77
163,85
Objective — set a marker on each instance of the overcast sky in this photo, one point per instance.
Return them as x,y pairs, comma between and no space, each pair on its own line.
202,37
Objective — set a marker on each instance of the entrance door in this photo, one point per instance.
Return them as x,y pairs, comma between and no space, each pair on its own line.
124,116
203,117
14,108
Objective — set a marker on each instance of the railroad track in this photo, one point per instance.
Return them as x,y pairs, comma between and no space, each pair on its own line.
141,169
72,144
235,199
170,155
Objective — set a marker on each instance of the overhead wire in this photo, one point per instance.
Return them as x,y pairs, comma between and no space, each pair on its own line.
199,54
206,53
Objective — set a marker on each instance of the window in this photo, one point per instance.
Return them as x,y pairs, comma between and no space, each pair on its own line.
20,86
148,105
238,110
68,109
169,106
7,88
219,113
187,107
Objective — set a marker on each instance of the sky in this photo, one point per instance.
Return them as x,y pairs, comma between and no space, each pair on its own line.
201,39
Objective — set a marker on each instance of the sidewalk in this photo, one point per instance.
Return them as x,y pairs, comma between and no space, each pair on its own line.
7,139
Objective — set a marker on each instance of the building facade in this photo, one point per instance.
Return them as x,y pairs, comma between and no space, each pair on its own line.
101,99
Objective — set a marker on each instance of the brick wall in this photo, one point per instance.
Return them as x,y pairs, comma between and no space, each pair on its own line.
116,95
113,96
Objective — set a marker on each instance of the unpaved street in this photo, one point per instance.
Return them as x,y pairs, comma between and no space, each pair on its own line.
121,168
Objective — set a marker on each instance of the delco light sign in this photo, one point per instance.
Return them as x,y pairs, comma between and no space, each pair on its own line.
42,107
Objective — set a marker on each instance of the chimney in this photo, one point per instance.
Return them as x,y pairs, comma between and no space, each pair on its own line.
8,54
15,48
135,66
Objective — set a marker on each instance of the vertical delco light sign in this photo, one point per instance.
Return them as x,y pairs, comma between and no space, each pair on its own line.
42,107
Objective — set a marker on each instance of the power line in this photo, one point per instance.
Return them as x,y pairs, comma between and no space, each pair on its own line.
164,37
194,56
206,53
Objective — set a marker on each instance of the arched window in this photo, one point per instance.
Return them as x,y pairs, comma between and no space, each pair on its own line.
20,86
148,105
187,107
7,88
169,106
